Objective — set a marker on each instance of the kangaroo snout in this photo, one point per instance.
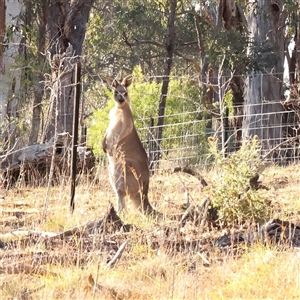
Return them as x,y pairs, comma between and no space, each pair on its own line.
120,94
120,99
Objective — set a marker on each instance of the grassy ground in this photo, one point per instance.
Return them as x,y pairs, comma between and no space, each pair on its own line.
143,272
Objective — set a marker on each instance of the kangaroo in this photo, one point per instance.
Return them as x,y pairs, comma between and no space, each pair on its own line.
128,162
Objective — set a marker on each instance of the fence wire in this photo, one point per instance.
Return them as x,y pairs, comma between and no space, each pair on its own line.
185,134
186,142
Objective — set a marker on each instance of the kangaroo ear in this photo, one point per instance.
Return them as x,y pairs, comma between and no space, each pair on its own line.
127,81
112,82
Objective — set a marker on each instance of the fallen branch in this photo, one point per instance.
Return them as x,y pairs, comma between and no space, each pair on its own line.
206,262
191,172
27,293
280,144
32,237
110,216
117,255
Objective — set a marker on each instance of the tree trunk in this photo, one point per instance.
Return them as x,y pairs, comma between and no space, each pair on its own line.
292,103
170,45
2,34
10,77
231,16
263,91
206,78
66,21
39,89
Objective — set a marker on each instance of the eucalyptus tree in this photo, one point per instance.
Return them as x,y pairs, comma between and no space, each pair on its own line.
273,28
66,22
48,29
2,32
9,73
36,20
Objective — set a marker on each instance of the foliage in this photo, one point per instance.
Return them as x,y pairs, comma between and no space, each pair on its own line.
143,23
236,201
237,52
144,96
98,123
229,103
264,56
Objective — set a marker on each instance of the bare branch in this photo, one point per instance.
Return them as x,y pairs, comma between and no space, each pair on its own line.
279,145
160,45
117,255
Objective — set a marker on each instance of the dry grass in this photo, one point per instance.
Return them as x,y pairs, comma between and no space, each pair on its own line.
261,272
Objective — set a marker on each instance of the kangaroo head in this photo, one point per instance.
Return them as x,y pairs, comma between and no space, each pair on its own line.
120,89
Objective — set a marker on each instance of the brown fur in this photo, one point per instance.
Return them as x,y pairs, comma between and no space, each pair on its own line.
128,162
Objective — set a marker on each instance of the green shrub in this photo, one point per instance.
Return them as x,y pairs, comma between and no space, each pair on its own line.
232,195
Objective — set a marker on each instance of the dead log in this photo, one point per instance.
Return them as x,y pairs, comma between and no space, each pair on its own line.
278,232
32,164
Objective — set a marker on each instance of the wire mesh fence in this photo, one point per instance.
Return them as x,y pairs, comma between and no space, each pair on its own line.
185,136
184,140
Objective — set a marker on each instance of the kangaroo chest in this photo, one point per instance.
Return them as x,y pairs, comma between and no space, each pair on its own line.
120,126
